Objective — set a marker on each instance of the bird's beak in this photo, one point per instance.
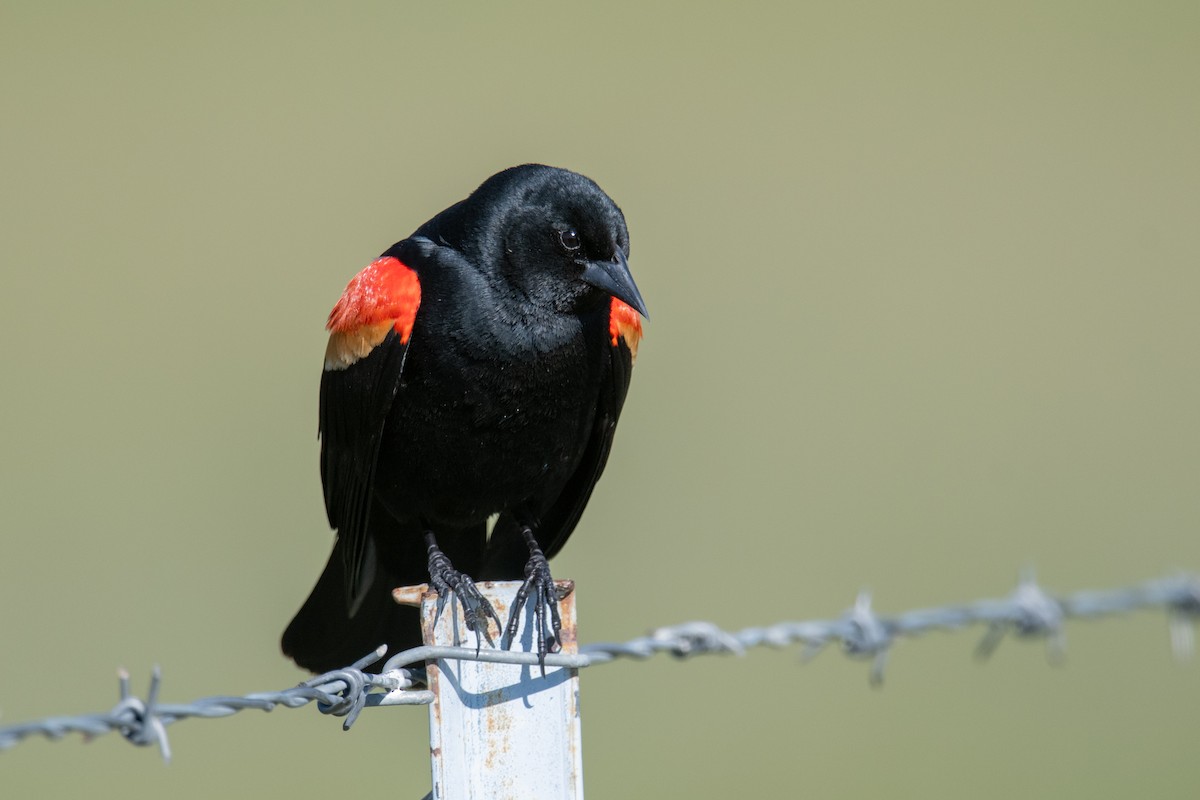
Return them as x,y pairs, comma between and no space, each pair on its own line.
613,277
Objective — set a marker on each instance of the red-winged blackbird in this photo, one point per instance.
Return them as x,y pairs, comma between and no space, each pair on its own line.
477,368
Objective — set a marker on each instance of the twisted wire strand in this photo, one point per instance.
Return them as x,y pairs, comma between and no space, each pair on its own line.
1029,612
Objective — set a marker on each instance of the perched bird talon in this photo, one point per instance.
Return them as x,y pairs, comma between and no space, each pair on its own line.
476,368
446,581
538,585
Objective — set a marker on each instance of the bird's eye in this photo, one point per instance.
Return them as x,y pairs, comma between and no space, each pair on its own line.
569,239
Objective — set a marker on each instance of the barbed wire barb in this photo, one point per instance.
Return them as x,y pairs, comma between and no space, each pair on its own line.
1029,612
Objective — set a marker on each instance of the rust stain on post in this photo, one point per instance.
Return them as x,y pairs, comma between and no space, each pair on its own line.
410,595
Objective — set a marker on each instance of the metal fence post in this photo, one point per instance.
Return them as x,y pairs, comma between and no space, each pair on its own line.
502,730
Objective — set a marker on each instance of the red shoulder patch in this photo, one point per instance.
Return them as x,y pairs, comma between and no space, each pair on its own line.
384,296
625,323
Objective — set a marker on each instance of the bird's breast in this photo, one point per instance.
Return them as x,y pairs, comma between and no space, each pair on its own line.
471,435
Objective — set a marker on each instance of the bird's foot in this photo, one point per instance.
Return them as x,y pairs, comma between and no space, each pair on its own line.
445,580
538,585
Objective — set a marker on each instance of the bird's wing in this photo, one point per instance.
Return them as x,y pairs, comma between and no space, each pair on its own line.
558,518
624,334
370,333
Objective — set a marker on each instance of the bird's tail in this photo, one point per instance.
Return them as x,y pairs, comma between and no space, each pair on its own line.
323,635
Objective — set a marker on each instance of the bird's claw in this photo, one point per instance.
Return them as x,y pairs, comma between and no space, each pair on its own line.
540,586
477,611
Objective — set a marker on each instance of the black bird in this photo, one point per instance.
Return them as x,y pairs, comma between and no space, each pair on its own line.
477,368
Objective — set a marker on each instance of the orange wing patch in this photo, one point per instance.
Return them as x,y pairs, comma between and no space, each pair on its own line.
383,297
625,323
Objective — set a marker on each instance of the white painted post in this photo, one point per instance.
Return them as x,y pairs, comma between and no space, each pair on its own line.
502,731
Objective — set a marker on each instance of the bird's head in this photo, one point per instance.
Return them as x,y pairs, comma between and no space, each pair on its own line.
554,236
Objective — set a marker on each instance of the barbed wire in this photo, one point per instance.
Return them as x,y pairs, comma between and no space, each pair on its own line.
1028,612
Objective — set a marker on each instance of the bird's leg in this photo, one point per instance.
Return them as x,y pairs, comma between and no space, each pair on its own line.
444,579
540,585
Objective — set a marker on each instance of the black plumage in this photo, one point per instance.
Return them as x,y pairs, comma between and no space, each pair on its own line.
503,400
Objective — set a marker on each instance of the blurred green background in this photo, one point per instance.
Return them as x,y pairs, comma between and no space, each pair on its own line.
924,285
